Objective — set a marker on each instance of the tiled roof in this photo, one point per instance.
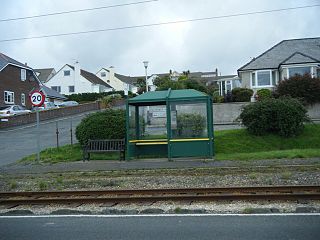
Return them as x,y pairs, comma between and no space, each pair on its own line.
301,50
91,77
44,73
4,60
52,93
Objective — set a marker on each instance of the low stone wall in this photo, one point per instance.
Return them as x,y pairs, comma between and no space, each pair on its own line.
227,113
314,111
48,114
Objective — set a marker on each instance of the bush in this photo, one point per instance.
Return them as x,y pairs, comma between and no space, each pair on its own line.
109,124
217,98
110,98
283,116
242,94
304,87
263,94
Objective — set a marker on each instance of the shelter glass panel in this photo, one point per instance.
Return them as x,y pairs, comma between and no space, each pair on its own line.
189,120
153,122
132,122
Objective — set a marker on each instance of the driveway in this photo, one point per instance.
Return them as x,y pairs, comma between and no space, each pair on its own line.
19,142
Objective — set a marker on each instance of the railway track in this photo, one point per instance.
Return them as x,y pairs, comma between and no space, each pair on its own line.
153,195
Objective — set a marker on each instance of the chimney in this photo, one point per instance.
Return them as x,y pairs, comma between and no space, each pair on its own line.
26,64
77,72
216,72
111,73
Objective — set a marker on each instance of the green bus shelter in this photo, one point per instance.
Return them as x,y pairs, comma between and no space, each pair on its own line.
171,124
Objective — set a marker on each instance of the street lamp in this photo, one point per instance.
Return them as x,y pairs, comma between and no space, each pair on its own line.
145,63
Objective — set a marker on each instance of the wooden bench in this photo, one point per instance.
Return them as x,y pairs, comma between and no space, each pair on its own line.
104,146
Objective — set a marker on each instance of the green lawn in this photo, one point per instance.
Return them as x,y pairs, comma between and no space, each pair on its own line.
239,144
229,145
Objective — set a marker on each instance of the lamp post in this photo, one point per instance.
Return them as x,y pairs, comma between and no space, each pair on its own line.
145,63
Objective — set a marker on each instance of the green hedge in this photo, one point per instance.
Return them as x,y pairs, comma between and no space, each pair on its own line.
303,87
109,124
283,116
264,94
241,94
90,97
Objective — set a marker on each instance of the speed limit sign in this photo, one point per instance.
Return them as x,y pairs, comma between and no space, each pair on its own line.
37,98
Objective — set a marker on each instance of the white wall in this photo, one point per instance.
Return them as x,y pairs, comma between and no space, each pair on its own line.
110,79
81,85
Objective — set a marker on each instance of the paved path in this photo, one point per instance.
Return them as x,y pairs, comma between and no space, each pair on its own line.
19,142
106,165
244,227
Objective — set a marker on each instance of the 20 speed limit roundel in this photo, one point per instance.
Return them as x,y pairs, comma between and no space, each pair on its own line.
37,98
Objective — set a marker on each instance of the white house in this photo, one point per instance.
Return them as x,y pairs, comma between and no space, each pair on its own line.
108,76
71,80
117,81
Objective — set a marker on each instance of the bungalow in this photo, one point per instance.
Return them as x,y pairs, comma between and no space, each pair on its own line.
282,61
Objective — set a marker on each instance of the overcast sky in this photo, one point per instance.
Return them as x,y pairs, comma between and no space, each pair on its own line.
226,43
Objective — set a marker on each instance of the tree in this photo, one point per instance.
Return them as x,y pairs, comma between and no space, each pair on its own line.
141,84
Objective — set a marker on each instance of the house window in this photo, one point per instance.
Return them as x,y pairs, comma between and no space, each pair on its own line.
66,73
228,86
103,74
253,79
23,74
8,97
299,71
263,78
318,72
71,88
23,99
56,88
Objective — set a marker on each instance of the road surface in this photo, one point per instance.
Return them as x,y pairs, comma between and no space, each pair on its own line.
162,227
18,142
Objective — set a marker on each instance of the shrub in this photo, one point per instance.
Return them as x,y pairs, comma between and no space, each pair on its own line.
110,98
217,98
242,94
190,125
109,124
304,87
264,94
283,116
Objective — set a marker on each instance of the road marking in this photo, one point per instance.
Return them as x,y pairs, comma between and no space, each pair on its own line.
165,215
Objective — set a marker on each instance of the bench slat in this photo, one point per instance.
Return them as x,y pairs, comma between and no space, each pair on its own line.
102,146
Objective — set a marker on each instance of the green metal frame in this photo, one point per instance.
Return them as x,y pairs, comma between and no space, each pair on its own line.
169,147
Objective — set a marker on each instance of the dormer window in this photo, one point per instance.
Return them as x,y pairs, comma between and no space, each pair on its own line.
23,74
103,74
66,73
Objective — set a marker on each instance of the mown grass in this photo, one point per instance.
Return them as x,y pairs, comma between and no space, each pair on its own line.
229,145
67,153
240,145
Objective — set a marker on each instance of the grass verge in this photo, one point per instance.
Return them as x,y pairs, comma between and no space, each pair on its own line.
229,145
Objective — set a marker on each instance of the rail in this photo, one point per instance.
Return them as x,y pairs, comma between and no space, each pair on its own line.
302,192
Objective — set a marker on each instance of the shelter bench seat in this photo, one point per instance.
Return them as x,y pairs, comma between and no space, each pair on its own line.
104,146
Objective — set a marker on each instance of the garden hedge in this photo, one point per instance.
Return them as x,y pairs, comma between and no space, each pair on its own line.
109,124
